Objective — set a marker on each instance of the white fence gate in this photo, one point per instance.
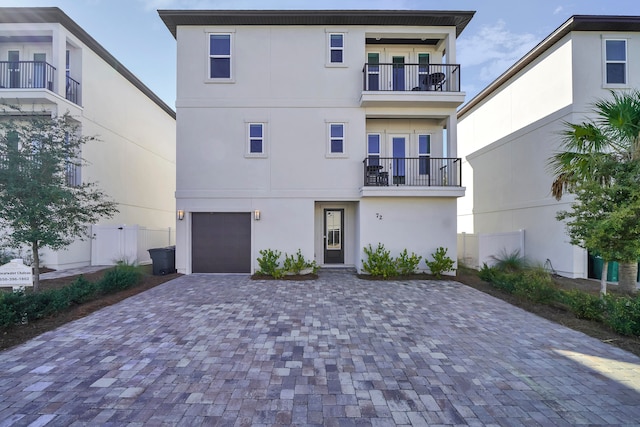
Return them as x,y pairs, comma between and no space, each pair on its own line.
130,243
474,250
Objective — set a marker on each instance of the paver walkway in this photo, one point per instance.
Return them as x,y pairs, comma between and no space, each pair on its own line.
225,350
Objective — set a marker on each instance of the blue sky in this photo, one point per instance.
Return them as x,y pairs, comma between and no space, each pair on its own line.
500,33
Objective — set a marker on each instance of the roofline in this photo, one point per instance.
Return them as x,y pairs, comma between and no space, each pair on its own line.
574,23
56,15
174,18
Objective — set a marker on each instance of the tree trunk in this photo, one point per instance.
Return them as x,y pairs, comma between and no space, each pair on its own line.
603,279
628,277
36,267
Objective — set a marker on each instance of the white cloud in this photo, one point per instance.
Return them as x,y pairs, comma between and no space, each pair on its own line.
492,50
558,10
275,4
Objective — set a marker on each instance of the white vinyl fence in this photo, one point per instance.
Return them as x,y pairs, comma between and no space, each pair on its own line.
130,243
474,250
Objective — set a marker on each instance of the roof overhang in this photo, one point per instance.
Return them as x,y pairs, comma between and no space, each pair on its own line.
607,23
419,18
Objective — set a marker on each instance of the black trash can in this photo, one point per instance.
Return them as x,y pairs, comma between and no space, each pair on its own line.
164,260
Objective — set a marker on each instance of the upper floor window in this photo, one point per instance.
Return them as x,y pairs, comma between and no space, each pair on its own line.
424,153
336,44
220,56
615,61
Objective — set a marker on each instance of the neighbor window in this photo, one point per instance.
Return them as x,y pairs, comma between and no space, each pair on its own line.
373,71
220,56
424,153
615,61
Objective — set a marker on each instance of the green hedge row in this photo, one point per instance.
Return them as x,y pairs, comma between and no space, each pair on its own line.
621,314
20,308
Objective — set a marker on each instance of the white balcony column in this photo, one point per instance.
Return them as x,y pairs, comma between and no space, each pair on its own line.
59,59
450,47
452,135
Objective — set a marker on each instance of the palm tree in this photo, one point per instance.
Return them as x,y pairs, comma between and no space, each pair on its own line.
589,148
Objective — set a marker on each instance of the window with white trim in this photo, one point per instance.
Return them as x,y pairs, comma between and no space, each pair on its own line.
336,47
336,141
424,154
615,52
256,138
220,47
373,149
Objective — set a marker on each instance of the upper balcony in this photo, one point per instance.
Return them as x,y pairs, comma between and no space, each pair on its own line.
408,85
37,75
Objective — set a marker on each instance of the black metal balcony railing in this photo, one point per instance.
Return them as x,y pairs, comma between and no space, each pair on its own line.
412,77
26,75
72,91
423,171
35,75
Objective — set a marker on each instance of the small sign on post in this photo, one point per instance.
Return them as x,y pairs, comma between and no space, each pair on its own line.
16,274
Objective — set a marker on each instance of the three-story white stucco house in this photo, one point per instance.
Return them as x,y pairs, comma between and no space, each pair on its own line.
508,132
50,65
323,131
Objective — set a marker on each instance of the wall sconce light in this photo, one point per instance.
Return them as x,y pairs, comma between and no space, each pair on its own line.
180,215
256,215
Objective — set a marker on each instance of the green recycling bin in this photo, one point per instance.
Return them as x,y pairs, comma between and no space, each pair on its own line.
612,269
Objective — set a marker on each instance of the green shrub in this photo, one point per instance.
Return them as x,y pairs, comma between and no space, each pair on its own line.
584,305
407,264
269,263
379,262
622,314
534,284
81,290
509,261
120,277
295,264
441,262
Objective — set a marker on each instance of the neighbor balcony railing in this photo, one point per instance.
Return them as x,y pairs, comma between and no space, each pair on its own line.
423,171
411,77
34,75
72,169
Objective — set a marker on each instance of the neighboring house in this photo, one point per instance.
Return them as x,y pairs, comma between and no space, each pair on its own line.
323,131
49,64
509,131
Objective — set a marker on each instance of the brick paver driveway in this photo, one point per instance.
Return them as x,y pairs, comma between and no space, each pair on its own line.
225,350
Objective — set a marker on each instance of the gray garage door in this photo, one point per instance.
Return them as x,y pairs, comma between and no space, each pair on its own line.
221,242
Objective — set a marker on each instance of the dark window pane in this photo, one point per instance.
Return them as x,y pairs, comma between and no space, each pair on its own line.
373,58
424,144
336,145
336,56
255,146
374,160
220,67
374,82
337,131
255,131
616,50
220,44
615,73
424,165
336,40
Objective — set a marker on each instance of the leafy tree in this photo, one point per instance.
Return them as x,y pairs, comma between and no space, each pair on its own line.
43,202
588,167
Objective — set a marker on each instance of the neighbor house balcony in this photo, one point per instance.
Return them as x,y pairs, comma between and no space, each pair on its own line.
34,75
406,84
412,176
